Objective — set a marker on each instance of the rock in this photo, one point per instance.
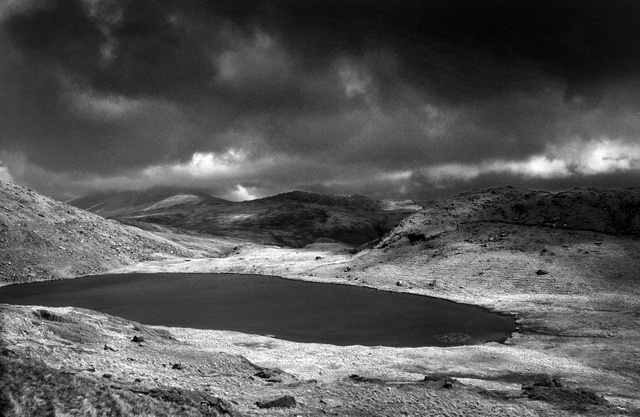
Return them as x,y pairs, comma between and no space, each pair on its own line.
358,378
8,353
137,339
448,383
553,382
263,374
553,391
207,404
416,237
108,376
542,272
47,315
178,366
286,401
399,283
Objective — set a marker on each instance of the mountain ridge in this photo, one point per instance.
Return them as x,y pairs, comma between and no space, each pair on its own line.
111,204
292,219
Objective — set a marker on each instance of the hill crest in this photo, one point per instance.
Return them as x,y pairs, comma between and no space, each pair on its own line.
111,204
611,211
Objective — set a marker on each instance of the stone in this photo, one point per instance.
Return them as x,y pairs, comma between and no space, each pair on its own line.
286,401
263,374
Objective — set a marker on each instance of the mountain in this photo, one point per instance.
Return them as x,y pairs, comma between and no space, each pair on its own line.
355,201
293,219
121,202
564,265
43,239
609,211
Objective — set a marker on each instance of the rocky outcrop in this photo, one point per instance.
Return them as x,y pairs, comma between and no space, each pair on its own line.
611,211
286,401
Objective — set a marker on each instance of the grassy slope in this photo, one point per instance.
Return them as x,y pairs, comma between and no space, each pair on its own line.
41,239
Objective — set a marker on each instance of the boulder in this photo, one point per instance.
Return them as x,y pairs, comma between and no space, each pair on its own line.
286,401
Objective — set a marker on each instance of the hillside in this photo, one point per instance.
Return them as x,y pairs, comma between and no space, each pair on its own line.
608,211
292,219
111,204
356,201
43,239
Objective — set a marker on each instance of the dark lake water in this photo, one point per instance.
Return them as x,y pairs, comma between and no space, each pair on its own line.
287,309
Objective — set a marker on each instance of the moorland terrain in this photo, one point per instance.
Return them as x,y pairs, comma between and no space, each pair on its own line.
564,264
293,219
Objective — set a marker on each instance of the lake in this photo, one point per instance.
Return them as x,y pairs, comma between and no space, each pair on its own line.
287,309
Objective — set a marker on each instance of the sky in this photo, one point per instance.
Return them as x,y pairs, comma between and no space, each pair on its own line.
391,99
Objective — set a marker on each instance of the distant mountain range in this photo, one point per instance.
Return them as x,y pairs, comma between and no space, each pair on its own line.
292,219
110,204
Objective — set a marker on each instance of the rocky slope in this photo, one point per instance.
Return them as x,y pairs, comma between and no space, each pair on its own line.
608,211
43,239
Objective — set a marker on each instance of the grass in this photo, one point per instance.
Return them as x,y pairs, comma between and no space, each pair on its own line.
33,389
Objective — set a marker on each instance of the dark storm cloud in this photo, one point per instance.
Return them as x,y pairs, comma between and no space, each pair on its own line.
384,89
154,52
121,47
583,42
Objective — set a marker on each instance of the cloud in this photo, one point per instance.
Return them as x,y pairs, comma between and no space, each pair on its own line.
597,157
4,173
375,97
601,156
87,104
241,194
231,164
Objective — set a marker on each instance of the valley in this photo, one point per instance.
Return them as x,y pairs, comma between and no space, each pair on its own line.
292,219
564,264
